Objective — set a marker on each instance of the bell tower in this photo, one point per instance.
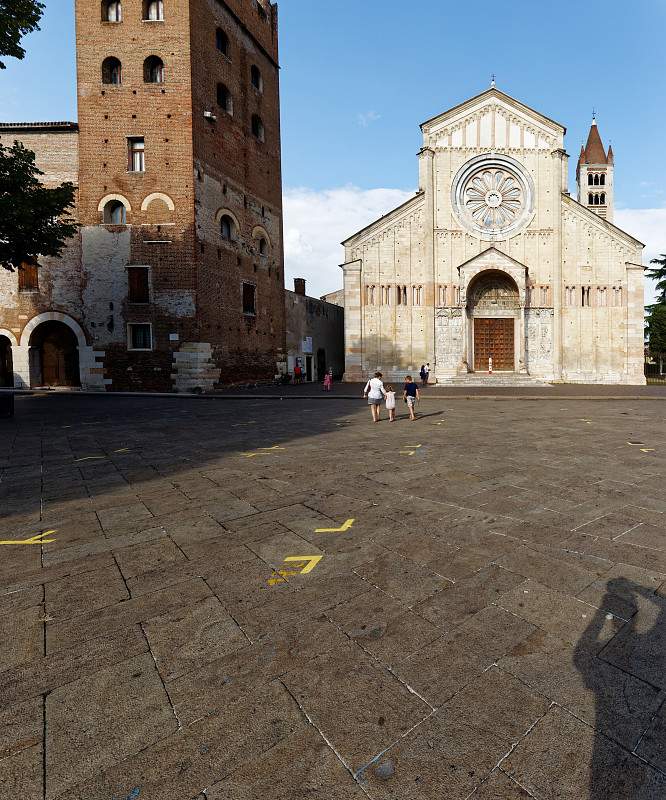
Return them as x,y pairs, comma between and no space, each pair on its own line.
594,175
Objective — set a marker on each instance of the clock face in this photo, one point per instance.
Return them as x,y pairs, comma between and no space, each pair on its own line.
492,196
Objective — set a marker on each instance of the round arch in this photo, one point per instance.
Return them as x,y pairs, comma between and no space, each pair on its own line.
493,289
118,197
53,316
157,196
12,339
222,211
259,231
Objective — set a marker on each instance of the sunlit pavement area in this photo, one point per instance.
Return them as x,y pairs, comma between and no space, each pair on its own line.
240,599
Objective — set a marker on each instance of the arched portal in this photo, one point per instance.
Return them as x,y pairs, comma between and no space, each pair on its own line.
54,355
6,363
493,305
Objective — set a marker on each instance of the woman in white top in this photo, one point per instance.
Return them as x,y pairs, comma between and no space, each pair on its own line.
374,391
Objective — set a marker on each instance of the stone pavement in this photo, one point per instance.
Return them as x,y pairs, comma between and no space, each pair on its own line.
242,599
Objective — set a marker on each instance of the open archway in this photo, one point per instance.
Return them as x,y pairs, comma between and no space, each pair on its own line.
6,363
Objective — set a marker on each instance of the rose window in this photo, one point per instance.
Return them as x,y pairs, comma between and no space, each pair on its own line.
493,195
493,199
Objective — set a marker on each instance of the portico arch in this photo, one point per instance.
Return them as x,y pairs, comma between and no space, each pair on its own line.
494,312
7,343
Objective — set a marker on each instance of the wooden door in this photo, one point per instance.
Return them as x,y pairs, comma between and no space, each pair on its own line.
53,364
494,338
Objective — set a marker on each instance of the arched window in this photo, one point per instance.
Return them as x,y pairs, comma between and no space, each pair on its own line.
153,70
222,41
227,228
112,11
224,99
590,180
112,71
114,213
153,10
263,246
596,180
255,78
602,199
258,128
602,179
590,199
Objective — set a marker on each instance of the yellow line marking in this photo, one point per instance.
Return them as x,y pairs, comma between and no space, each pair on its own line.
344,527
275,447
647,449
635,444
91,458
122,450
407,452
36,539
312,562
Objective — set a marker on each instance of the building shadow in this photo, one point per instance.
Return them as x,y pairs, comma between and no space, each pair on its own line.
638,649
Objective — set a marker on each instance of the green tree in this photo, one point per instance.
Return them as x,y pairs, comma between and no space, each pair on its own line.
658,274
17,18
656,328
33,217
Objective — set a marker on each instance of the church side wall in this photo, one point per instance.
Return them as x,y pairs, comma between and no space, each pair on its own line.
602,303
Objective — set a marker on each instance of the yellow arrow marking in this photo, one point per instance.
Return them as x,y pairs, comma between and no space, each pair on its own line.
312,562
586,421
647,449
307,564
37,539
345,527
635,444
407,452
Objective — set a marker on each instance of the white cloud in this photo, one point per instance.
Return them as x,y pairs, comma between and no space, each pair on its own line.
315,222
368,117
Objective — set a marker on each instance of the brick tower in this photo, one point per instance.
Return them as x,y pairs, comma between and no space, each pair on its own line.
180,190
594,175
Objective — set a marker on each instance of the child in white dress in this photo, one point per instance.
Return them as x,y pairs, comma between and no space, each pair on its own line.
390,403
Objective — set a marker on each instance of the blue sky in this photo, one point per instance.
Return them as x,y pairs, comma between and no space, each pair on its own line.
358,76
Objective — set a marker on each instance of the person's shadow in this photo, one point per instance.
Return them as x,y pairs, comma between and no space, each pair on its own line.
626,671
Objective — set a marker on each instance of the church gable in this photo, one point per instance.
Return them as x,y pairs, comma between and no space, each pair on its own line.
574,211
405,214
493,120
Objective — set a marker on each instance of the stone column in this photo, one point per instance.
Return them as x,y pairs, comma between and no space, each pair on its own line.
522,363
560,179
426,185
352,272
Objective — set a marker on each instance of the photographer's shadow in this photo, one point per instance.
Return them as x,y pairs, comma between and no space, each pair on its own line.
625,706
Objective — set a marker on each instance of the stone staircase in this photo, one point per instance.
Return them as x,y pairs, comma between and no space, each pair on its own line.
496,380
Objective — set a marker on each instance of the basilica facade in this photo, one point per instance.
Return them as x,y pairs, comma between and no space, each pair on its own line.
493,264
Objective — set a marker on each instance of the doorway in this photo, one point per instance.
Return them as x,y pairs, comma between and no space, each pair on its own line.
54,355
6,364
321,363
308,368
493,338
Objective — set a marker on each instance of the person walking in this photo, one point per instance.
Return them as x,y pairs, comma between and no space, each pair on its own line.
328,381
427,374
390,402
422,373
411,395
375,392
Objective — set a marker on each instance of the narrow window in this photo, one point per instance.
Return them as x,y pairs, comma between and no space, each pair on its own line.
261,10
224,99
136,148
227,228
256,79
596,180
28,279
263,247
222,41
112,11
153,70
590,180
138,285
603,199
590,199
140,336
258,128
544,295
111,71
249,299
153,10
114,213
602,179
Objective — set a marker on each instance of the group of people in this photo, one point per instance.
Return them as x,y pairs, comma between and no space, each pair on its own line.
377,393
